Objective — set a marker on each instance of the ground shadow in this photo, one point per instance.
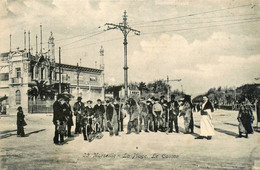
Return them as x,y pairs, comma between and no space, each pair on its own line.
230,133
37,131
14,134
7,131
232,124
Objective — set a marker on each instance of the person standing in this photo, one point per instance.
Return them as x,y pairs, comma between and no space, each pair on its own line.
112,121
157,112
58,118
149,103
187,114
173,114
68,115
99,111
20,122
206,126
245,118
143,115
78,109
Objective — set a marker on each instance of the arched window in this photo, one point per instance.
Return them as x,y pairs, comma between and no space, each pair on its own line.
18,97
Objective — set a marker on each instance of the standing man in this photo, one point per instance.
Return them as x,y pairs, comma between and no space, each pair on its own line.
78,110
173,114
157,112
99,112
134,112
68,115
58,118
149,103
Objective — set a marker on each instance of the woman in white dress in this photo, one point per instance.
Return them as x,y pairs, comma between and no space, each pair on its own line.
206,127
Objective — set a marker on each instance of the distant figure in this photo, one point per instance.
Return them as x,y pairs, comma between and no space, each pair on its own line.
20,122
258,110
245,118
187,114
78,109
58,120
206,127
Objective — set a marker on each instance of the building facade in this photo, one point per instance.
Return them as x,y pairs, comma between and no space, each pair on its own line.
32,81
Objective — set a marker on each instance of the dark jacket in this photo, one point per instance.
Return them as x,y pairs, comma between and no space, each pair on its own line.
68,113
57,112
99,111
109,112
20,119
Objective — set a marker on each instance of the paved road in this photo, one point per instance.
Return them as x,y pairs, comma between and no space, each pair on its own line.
143,151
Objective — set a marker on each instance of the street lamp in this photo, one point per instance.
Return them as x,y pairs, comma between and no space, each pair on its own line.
168,87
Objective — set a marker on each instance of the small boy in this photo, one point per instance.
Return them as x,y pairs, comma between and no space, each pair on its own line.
20,122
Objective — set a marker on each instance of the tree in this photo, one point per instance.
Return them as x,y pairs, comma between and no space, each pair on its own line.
142,87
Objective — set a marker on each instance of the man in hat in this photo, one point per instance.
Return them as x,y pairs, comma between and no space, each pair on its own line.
78,109
173,114
68,115
58,119
99,112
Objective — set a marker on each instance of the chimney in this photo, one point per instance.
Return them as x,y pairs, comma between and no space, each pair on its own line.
36,44
29,41
41,37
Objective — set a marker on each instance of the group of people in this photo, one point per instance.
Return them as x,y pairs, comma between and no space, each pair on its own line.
151,115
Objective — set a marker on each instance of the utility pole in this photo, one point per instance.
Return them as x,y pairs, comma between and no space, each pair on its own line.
29,39
59,72
77,79
125,29
10,42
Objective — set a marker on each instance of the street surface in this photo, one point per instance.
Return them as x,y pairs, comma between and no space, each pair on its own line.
134,151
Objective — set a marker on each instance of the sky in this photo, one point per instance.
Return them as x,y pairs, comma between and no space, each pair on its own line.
206,43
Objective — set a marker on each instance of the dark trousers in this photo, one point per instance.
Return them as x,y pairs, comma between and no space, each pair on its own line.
156,121
69,130
132,124
151,122
77,128
57,136
120,125
86,131
174,118
20,130
191,125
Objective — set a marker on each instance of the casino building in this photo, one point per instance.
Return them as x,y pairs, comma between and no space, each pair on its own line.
32,81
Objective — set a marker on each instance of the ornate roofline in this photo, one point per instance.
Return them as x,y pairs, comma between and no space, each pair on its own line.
87,69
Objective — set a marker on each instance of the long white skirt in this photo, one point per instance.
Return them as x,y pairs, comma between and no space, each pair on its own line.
206,127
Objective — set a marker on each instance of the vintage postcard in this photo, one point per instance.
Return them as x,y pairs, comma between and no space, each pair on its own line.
129,84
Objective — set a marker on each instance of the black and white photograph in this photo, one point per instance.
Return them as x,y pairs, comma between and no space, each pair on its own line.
129,84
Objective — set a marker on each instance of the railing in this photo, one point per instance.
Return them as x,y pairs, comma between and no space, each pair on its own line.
16,80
